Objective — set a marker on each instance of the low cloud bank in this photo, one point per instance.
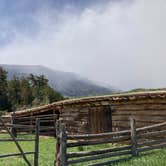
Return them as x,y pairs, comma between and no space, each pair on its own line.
120,43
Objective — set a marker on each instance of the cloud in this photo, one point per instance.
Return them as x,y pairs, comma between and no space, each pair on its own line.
121,43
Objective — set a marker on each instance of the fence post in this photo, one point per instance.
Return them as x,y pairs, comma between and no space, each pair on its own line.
37,131
61,158
13,129
57,157
133,137
63,147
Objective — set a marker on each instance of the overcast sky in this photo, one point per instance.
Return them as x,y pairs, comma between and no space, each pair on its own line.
117,42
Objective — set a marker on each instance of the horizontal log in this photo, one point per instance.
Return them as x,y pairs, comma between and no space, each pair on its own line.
15,154
151,127
33,112
151,134
152,142
152,147
139,120
11,140
149,117
139,107
34,117
19,126
101,135
101,156
86,143
135,103
140,112
139,123
25,122
96,152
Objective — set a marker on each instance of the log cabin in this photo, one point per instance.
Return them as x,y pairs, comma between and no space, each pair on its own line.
101,113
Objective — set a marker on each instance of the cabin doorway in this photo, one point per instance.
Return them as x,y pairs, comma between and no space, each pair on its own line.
101,120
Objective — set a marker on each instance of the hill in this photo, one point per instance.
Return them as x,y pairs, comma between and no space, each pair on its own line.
68,84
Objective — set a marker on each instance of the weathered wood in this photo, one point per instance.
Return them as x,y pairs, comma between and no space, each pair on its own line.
101,156
13,130
140,112
19,126
152,147
20,140
18,146
151,142
136,106
148,118
63,147
14,154
57,155
101,135
37,116
96,152
133,137
103,141
151,127
36,155
152,134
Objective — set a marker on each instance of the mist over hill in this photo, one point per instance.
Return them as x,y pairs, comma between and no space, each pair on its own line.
68,84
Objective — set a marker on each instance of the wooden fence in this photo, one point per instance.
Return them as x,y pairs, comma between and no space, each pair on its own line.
130,144
7,129
47,124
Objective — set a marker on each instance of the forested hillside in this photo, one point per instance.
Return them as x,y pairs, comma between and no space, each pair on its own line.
23,92
68,84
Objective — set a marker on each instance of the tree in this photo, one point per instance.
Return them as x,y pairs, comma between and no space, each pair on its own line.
26,92
14,91
4,104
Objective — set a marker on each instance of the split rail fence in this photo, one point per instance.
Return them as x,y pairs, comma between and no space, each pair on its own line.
6,130
27,129
47,123
130,143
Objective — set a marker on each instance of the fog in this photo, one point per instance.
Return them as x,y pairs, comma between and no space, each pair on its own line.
120,43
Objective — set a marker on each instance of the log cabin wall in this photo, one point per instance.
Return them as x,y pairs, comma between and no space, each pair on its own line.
145,111
83,119
107,113
112,113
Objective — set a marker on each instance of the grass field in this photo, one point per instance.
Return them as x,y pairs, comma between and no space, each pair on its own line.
47,154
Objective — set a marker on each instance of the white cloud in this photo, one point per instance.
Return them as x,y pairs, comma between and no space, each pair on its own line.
121,43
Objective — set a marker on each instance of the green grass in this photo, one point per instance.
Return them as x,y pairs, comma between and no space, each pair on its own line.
47,154
152,158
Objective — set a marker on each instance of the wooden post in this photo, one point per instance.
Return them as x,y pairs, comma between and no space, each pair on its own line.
133,137
63,147
13,129
31,122
61,157
110,118
57,159
17,144
37,131
54,118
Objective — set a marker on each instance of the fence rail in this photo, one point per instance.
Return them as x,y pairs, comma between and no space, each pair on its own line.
9,130
24,126
131,143
19,124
